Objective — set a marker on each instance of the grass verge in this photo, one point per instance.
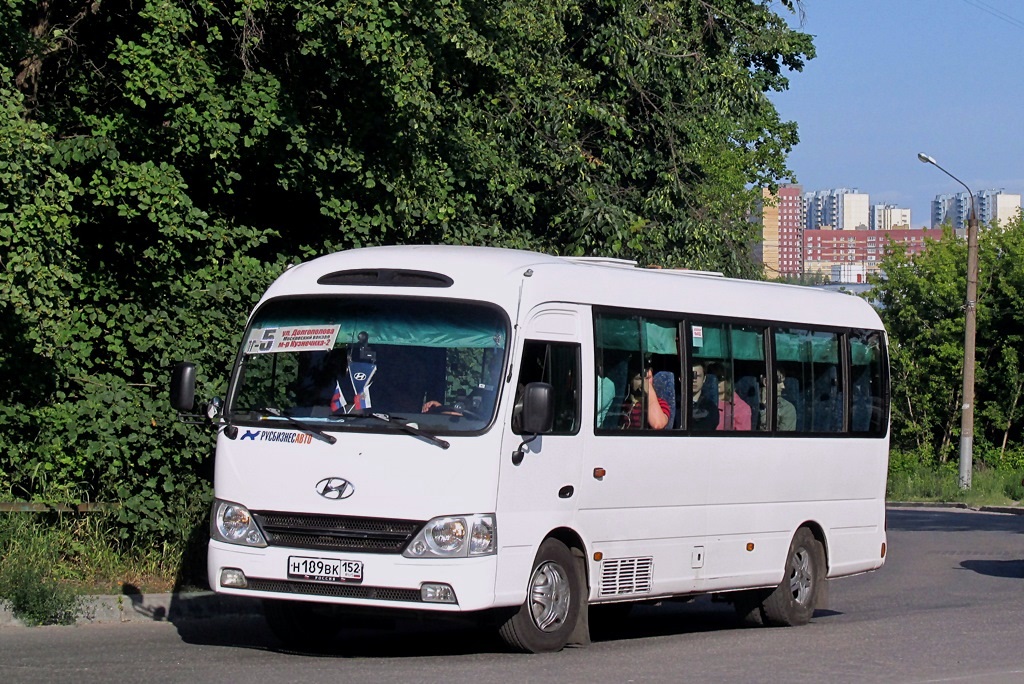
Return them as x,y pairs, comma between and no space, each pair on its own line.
989,487
49,561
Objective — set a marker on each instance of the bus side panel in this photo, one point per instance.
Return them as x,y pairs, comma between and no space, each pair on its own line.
761,495
648,506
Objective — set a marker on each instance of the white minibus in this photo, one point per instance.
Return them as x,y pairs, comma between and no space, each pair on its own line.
520,438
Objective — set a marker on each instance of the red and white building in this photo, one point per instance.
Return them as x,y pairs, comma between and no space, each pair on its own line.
828,233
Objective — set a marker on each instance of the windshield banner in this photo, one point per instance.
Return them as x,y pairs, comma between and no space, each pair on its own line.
301,338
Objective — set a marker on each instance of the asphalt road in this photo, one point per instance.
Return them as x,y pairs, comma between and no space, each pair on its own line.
947,607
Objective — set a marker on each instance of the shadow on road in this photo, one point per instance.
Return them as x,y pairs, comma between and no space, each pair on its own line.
996,568
673,618
406,639
952,520
426,637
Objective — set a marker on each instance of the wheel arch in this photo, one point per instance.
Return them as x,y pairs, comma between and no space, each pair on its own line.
574,541
567,536
819,533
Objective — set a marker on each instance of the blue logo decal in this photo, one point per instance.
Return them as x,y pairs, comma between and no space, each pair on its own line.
251,434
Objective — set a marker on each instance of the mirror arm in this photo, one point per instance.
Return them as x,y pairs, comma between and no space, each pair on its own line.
518,454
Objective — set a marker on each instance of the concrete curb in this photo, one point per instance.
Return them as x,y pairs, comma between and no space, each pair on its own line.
1011,510
171,607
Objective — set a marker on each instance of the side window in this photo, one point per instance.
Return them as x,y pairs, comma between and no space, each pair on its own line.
557,364
727,366
808,381
637,373
869,409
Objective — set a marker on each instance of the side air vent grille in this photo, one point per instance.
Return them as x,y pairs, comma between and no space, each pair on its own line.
386,277
626,576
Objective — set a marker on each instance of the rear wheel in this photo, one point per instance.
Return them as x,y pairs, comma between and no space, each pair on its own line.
546,620
300,624
794,600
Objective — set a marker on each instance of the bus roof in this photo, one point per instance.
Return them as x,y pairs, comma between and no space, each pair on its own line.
495,274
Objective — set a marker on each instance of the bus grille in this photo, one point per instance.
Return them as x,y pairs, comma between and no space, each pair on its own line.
336,532
624,576
356,591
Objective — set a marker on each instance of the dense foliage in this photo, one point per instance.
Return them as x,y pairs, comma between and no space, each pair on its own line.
162,160
922,304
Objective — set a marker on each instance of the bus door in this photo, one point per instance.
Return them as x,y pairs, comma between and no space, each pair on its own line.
539,480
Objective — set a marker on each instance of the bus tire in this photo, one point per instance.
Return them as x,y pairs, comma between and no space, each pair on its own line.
547,618
302,625
793,601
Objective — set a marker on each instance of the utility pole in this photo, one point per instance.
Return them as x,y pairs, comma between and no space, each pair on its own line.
970,327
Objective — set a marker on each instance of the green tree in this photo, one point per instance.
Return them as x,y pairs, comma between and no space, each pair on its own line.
163,160
921,301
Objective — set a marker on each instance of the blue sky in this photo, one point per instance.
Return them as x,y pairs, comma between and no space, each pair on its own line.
896,77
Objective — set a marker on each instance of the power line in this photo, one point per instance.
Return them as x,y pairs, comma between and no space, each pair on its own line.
997,13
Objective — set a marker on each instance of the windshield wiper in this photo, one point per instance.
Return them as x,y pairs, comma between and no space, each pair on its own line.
305,427
403,425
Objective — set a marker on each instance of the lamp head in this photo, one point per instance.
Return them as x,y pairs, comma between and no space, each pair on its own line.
925,159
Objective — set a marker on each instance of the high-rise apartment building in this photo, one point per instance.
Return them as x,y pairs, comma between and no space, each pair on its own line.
997,205
769,233
992,205
782,231
889,217
953,209
837,208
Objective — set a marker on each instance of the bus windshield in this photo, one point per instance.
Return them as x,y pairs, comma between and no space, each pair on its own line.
336,360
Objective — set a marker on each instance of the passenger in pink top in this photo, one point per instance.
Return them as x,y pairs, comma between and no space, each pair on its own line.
733,413
633,410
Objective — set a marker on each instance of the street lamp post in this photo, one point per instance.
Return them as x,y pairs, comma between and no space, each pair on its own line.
970,325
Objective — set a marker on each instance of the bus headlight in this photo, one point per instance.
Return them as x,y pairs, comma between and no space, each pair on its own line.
232,523
455,536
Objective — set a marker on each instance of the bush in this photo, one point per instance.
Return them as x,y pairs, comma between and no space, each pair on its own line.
29,581
34,597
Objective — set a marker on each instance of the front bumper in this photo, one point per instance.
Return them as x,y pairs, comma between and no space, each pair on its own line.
389,580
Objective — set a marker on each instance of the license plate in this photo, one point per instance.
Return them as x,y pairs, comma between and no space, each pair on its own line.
324,569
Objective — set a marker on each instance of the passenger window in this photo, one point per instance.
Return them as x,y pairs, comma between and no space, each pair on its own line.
557,364
808,381
869,410
637,373
727,366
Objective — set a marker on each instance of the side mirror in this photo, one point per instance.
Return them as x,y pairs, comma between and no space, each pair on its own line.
538,408
183,386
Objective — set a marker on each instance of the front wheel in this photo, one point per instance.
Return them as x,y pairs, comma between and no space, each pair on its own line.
793,601
546,620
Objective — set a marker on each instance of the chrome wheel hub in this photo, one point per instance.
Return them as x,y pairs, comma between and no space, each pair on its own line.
550,593
801,577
